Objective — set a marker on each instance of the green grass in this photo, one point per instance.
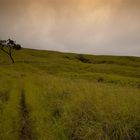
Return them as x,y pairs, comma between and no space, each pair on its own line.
66,99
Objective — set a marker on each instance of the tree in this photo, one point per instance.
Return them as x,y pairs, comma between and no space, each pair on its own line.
8,47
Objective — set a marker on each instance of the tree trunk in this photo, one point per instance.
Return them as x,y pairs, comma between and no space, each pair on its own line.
12,58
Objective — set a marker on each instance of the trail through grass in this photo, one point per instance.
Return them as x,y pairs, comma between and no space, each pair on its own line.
26,128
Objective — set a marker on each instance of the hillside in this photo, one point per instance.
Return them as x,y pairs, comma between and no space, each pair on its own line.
50,95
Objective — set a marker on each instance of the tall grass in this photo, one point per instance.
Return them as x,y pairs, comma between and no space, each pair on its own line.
66,109
9,112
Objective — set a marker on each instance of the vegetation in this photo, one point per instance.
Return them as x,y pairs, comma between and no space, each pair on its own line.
55,96
7,46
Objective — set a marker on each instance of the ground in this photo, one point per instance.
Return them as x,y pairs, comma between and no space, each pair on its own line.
49,95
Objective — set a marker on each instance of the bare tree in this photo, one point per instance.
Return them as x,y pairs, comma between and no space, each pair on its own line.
8,47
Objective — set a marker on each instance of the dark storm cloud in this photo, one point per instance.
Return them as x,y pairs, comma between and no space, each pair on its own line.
85,26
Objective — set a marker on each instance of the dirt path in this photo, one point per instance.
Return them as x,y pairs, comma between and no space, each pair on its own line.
26,132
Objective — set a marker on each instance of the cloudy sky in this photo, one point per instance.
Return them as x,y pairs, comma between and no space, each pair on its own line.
84,26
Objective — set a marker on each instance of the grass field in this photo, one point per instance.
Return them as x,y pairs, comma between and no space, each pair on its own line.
49,95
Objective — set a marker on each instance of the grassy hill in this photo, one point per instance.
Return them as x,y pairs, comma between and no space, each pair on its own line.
49,95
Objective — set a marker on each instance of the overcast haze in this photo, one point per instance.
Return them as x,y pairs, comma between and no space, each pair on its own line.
84,26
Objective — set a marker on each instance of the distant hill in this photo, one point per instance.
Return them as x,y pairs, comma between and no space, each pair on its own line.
110,69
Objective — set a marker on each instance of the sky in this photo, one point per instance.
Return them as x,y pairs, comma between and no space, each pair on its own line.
102,27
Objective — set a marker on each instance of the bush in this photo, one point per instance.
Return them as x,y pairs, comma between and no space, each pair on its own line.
82,58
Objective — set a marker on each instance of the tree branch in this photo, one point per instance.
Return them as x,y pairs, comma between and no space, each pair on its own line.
4,51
